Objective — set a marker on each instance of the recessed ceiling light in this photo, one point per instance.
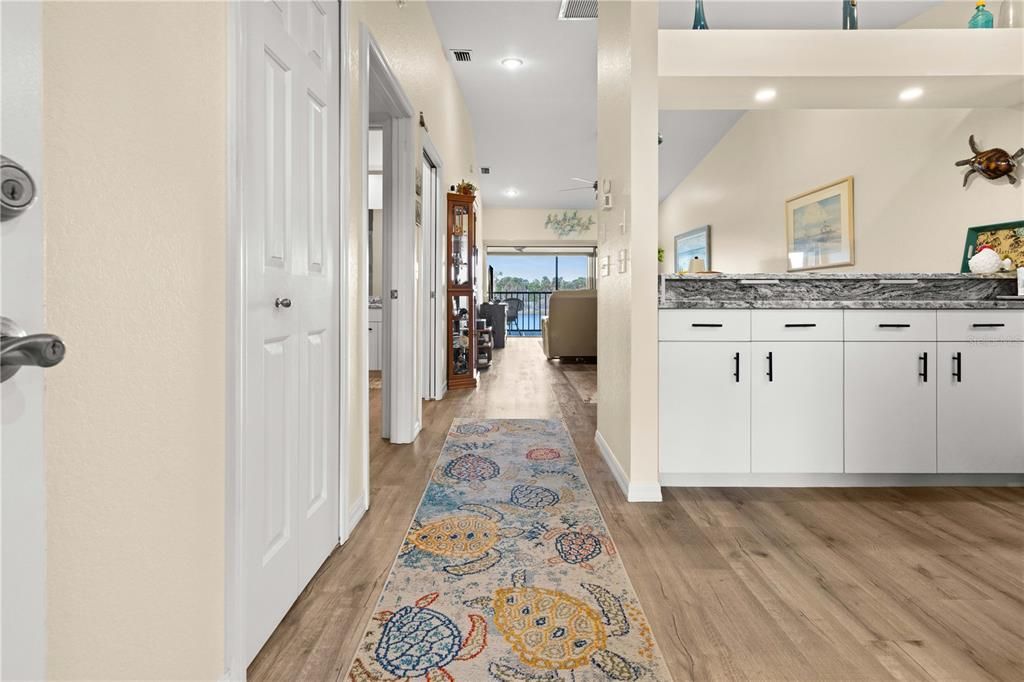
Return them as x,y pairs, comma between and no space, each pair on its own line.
911,94
511,63
511,192
765,95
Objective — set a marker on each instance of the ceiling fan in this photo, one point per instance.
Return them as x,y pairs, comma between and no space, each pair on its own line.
590,184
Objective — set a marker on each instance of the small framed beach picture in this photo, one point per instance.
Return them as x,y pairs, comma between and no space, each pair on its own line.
693,244
819,227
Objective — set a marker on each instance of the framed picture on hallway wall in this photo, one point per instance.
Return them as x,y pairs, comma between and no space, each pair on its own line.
819,227
693,244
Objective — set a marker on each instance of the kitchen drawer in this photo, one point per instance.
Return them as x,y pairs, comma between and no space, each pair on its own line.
889,325
796,325
981,325
704,325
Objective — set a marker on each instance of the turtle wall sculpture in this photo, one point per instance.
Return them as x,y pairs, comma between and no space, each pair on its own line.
991,163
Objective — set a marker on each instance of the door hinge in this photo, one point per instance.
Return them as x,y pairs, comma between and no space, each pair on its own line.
394,293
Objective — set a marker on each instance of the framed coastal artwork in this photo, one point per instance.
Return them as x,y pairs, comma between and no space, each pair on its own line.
819,227
693,244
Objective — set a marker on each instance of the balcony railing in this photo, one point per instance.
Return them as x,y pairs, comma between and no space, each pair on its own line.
534,305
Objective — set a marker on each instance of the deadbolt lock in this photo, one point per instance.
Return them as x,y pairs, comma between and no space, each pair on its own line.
17,189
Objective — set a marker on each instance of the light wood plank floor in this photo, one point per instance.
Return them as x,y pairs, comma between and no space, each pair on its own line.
758,584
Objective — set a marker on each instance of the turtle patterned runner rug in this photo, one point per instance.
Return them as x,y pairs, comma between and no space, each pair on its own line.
507,572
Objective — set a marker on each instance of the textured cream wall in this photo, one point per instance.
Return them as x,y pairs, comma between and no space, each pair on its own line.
627,127
910,211
515,226
134,127
410,43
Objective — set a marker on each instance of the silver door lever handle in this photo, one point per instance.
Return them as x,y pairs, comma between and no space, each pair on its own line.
282,303
34,350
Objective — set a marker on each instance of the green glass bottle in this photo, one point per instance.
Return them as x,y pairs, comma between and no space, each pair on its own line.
982,17
699,22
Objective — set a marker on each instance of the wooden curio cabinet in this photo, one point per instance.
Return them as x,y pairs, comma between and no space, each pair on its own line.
460,242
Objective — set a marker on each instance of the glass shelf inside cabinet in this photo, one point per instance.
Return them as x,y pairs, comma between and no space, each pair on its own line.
461,336
460,246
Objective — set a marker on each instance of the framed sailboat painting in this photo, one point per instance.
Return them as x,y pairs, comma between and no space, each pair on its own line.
819,227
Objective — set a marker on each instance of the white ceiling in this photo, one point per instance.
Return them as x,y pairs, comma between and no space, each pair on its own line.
537,127
793,14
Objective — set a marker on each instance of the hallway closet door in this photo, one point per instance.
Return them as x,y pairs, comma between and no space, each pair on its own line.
290,165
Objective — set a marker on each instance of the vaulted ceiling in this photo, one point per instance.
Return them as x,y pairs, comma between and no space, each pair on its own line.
535,127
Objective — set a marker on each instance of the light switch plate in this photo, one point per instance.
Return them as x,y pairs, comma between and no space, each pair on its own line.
606,266
623,260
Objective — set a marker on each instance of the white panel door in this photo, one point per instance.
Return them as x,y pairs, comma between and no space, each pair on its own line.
797,407
890,407
290,223
981,403
23,467
704,407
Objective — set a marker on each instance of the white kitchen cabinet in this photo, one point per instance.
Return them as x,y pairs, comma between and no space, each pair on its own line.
981,407
890,393
797,407
373,339
704,406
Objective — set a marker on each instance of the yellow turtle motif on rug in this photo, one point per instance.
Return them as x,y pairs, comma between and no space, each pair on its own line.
467,536
552,630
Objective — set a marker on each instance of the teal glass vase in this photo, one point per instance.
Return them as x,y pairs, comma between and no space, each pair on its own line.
982,17
850,15
700,22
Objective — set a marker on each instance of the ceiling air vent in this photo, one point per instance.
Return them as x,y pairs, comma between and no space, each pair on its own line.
577,9
463,55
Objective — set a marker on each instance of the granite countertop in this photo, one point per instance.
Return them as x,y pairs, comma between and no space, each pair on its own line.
845,290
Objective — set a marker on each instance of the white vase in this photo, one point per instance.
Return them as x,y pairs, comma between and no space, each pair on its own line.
1011,14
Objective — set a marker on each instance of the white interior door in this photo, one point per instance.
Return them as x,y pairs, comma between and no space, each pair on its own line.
23,468
291,367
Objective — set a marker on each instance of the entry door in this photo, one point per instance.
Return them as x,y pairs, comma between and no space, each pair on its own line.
290,165
23,645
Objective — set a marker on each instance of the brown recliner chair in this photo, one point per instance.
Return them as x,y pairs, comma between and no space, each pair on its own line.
570,327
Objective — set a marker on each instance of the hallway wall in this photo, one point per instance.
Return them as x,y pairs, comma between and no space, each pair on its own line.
627,322
410,42
135,212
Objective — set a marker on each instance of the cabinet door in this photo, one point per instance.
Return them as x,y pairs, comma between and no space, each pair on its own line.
373,345
704,407
890,407
981,402
797,407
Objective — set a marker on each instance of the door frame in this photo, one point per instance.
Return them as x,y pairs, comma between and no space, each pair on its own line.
23,635
399,245
433,277
235,663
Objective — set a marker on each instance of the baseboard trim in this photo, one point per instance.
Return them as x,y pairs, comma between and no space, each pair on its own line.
355,514
644,492
634,492
613,464
838,480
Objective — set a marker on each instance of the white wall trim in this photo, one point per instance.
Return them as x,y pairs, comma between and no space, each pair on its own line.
838,480
356,511
345,285
613,464
644,492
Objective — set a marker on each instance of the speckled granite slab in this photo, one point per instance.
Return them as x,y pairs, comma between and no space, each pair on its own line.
839,290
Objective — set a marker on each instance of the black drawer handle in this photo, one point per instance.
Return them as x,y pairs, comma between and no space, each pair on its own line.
771,367
800,324
924,371
958,366
705,324
894,326
736,373
987,325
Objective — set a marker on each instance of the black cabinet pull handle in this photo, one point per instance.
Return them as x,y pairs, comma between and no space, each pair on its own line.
801,324
771,368
958,366
924,371
705,324
987,325
736,359
893,326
